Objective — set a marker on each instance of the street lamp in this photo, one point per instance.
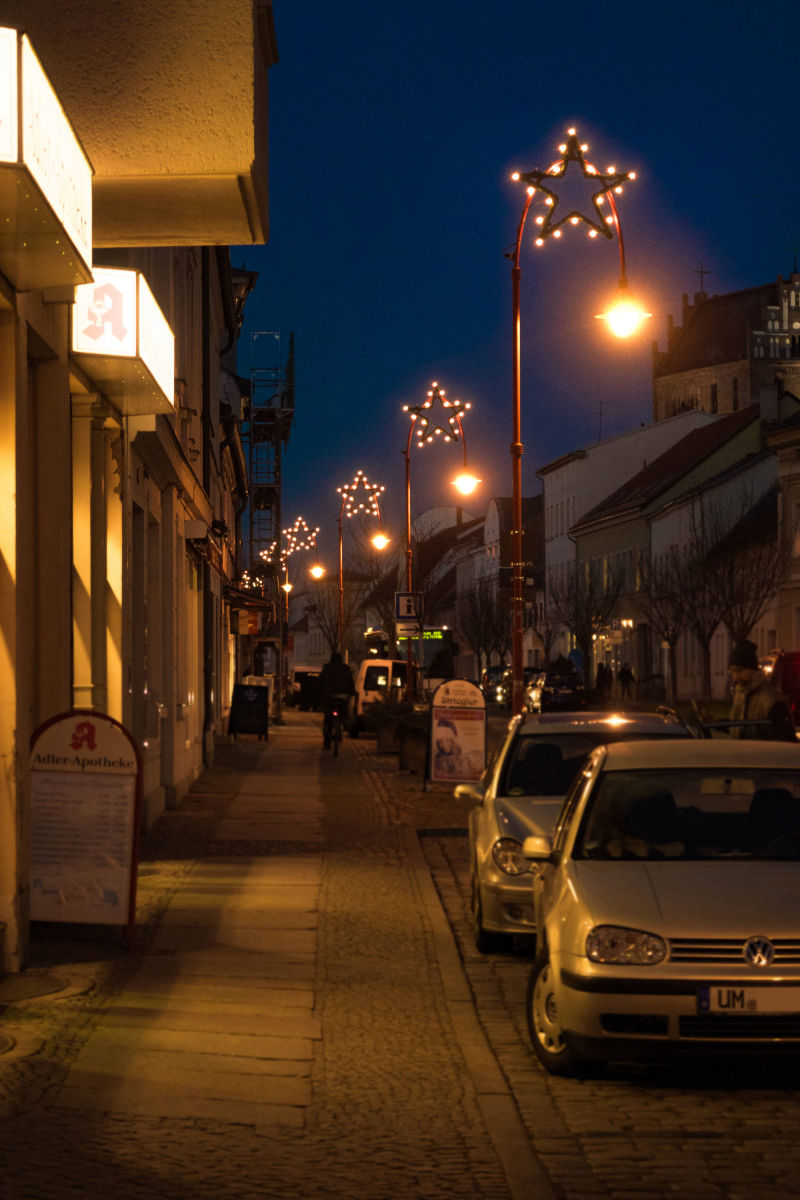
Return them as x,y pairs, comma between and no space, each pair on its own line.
359,496
426,426
624,317
299,536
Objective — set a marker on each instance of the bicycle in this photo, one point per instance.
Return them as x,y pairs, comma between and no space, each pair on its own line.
338,706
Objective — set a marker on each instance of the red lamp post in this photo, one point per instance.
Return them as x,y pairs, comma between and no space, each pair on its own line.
623,318
450,429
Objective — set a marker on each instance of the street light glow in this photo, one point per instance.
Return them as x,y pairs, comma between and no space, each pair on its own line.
624,317
380,541
317,571
466,483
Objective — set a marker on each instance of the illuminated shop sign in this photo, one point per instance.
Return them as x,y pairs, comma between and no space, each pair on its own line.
122,340
45,177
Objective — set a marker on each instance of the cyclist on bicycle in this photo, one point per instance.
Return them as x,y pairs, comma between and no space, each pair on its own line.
335,683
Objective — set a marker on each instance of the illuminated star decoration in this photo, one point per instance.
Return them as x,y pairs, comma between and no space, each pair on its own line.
451,416
299,537
610,181
353,502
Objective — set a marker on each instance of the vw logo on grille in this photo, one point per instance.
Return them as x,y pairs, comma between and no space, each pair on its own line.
758,951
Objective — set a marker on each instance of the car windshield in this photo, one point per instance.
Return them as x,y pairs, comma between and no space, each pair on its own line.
545,765
692,814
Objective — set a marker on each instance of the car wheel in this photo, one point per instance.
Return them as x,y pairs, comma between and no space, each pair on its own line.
486,940
549,1040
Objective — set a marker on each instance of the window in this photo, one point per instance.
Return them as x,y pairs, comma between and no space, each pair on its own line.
714,398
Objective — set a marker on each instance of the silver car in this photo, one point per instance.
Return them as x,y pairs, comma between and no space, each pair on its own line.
522,790
668,904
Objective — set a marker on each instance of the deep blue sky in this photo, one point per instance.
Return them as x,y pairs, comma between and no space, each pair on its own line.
393,132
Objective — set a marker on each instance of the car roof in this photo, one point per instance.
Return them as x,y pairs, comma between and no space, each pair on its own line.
656,723
708,753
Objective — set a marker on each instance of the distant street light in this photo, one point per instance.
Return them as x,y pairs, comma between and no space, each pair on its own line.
624,317
360,496
450,429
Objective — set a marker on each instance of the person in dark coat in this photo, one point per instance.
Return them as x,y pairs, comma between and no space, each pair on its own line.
756,699
335,683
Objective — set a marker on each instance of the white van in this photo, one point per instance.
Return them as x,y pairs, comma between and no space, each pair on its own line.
376,679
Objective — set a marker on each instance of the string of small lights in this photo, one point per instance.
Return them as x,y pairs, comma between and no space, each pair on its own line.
361,496
451,418
610,180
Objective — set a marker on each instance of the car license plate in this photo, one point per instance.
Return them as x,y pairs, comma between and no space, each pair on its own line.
747,1000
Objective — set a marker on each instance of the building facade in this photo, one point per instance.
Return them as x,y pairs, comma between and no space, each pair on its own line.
123,473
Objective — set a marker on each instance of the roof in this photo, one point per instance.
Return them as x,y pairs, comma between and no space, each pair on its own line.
671,466
594,722
759,524
716,330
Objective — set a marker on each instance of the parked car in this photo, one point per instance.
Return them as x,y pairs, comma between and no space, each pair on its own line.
522,790
550,690
298,675
667,902
376,679
490,678
505,684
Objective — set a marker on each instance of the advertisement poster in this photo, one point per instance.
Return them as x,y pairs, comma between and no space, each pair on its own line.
458,732
84,818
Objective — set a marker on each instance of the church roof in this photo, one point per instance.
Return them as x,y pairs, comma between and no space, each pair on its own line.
715,330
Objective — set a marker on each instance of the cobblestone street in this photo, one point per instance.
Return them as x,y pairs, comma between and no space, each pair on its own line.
411,1074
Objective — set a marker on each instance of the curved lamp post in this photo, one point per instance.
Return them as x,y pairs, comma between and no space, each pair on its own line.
624,318
426,426
360,496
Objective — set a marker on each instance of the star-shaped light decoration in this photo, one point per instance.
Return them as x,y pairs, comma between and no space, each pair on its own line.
299,537
423,414
610,185
361,496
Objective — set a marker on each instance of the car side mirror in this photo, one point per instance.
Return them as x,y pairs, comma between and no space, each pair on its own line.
470,791
537,849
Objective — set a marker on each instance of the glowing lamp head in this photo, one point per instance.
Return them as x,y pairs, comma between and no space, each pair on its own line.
624,317
317,571
380,541
466,483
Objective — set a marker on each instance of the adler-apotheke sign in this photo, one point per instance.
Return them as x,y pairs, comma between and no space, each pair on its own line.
84,773
123,341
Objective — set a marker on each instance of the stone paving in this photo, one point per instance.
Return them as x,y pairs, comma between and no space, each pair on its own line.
305,1016
289,1023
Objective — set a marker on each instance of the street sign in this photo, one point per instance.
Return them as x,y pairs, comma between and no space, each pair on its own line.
407,613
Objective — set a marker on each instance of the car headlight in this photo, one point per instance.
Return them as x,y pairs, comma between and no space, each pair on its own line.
507,853
629,947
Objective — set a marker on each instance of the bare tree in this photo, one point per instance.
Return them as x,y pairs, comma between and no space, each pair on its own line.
475,614
584,599
323,613
748,577
545,625
740,560
665,598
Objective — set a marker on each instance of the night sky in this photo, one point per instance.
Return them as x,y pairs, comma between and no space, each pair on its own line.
393,132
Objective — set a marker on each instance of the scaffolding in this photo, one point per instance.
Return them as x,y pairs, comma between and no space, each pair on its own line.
266,432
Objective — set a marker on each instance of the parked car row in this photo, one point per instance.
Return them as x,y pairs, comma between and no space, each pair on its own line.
660,875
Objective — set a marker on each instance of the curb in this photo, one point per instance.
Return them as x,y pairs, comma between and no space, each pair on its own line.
524,1173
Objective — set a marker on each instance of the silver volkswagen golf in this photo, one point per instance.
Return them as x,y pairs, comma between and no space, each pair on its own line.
521,791
668,904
